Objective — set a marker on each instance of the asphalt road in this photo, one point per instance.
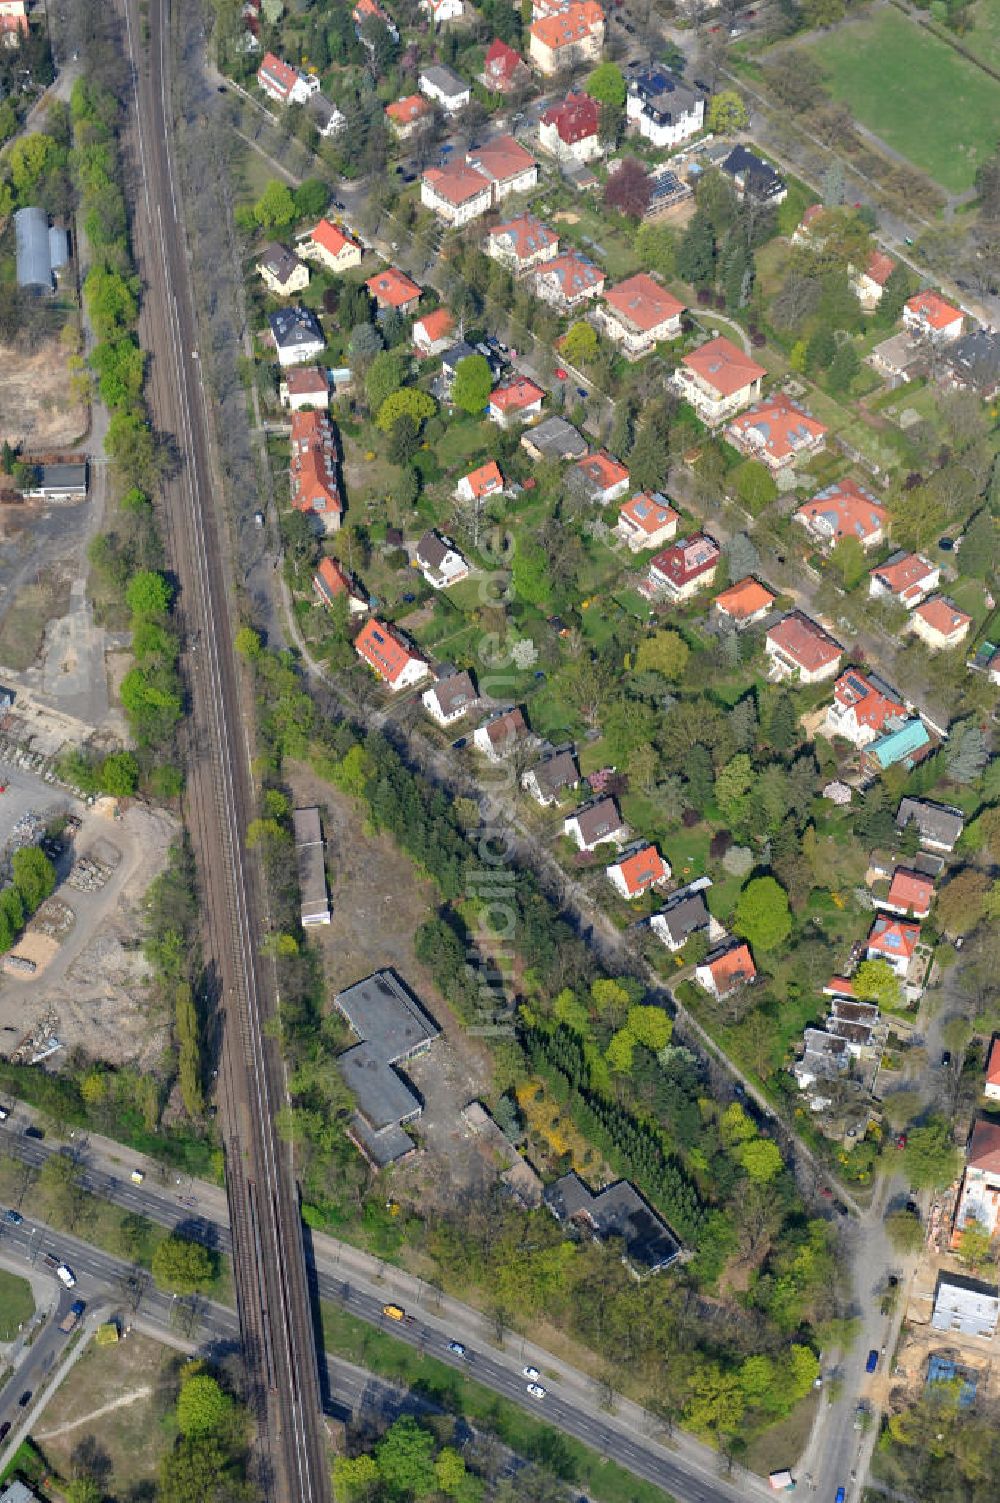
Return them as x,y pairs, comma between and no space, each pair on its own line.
278,1342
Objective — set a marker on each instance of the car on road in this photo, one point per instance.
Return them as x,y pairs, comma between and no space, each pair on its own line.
872,1362
4,1429
13,1217
457,1348
4,1114
25,1399
901,1140
532,1373
536,1390
560,373
462,741
946,1057
841,1495
66,1276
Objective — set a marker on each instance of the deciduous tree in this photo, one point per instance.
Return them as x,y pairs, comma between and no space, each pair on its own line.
762,915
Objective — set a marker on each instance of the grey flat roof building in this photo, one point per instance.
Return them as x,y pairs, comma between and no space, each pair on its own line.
31,232
392,1027
313,895
554,438
61,482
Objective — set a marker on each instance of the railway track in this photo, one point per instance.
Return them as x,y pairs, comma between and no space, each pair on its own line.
276,1325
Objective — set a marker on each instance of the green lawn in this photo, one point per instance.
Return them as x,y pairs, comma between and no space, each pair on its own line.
16,1304
922,98
984,38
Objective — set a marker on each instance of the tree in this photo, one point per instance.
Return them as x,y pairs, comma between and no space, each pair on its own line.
696,252
181,1266
84,1490
311,198
203,1408
34,876
664,652
193,1469
727,113
365,342
894,295
762,915
961,903
472,385
60,1180
656,247
409,402
119,774
755,486
628,189
275,209
384,376
930,1157
449,1471
876,981
905,1231
844,366
968,752
607,85
975,1245
649,458
148,594
404,441
761,1159
580,344
355,1478
405,1457
650,1026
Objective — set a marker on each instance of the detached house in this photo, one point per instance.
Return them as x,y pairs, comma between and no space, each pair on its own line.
516,401
387,651
457,193
444,87
911,894
433,333
366,10
905,579
570,130
744,603
863,709
680,571
480,484
452,698
869,284
647,520
752,176
441,11
568,280
281,271
594,824
685,914
662,109
440,561
332,580
567,37
392,288
506,164
312,470
638,872
893,940
406,115
332,247
306,386
979,1197
724,970
938,825
797,647
552,778
718,380
974,362
604,478
638,314
503,69
928,314
522,243
500,735
777,432
297,336
940,623
283,83
844,510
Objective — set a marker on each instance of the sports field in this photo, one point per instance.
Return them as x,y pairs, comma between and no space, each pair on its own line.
927,102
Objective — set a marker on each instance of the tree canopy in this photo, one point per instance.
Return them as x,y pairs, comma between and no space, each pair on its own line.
762,915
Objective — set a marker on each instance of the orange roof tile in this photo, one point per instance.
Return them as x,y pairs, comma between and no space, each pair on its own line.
312,465
602,470
744,599
384,649
486,481
804,642
893,937
904,574
732,968
642,869
984,1146
643,302
648,513
777,427
911,890
392,288
723,366
993,1064
436,325
933,308
331,238
879,267
942,615
406,111
456,183
568,26
847,510
520,392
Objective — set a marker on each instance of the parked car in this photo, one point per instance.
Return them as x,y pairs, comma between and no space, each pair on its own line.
531,1372
872,1362
14,1217
536,1390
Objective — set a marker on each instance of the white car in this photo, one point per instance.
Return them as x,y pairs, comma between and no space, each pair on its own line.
66,1276
532,1373
536,1390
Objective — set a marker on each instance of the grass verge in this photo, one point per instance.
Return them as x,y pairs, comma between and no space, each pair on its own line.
16,1304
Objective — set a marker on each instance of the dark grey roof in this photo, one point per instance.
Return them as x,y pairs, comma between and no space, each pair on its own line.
618,1211
685,916
294,326
34,265
313,896
557,772
455,692
662,93
598,821
279,261
384,1098
432,550
458,351
759,177
58,246
555,438
54,479
382,1011
938,822
392,1026
975,359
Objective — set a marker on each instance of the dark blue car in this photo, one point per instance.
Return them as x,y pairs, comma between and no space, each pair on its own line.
872,1362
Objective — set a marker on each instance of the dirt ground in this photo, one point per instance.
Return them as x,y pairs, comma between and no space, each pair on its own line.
35,409
378,900
91,990
22,631
110,1412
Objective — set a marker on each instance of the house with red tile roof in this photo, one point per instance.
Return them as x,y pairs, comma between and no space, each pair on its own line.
940,623
570,129
307,386
869,284
507,164
332,580
405,115
568,280
638,314
604,478
501,734
14,22
515,401
680,571
433,332
388,652
718,380
283,83
571,36
392,288
893,940
457,193
798,648
905,579
928,314
522,243
863,709
480,484
979,1197
332,247
844,510
638,871
777,432
744,603
647,520
312,470
991,1085
503,68
910,894
805,230
367,9
724,970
